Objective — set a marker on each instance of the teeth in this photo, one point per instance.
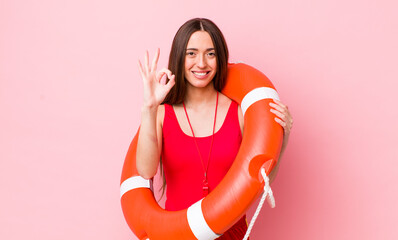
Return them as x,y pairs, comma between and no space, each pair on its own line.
200,74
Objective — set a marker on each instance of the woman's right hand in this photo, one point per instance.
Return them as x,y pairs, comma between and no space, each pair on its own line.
155,86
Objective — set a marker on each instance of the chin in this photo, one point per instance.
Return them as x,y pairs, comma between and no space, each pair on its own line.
200,83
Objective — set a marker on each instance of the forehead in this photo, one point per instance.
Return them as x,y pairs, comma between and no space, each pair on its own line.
200,40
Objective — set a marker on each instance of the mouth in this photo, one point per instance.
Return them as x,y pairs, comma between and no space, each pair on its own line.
200,74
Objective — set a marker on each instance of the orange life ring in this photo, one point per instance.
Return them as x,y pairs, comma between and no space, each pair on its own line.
226,204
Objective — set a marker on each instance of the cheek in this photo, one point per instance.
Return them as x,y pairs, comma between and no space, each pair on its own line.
213,63
188,65
214,67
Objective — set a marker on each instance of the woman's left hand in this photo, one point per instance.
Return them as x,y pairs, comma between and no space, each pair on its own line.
283,117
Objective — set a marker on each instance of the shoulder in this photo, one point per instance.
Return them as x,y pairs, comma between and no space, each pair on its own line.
224,101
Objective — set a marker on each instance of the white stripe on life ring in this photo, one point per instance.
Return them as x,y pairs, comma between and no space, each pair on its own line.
198,224
133,183
257,94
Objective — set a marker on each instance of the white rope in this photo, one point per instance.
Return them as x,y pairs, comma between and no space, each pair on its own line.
270,198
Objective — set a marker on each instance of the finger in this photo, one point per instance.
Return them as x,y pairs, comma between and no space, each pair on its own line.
280,103
147,61
140,68
278,107
171,82
286,127
279,114
167,71
286,131
155,60
163,79
282,123
282,113
159,76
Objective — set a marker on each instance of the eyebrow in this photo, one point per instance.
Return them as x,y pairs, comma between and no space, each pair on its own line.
195,49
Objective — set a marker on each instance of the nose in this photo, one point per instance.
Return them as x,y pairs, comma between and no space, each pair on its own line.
201,61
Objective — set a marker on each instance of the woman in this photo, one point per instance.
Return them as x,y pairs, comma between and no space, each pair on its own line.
188,123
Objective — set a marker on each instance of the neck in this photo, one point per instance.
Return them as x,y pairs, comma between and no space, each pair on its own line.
199,97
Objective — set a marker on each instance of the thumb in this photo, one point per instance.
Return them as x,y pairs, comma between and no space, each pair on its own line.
171,82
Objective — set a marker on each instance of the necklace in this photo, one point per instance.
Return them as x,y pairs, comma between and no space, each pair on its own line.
205,182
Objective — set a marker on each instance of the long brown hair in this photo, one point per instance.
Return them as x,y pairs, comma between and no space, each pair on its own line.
178,51
177,63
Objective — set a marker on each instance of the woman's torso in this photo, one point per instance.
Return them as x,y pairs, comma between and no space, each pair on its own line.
182,164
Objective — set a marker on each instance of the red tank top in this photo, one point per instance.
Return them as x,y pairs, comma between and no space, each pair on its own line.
182,164
183,168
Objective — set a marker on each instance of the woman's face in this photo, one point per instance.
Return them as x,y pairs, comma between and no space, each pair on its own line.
200,59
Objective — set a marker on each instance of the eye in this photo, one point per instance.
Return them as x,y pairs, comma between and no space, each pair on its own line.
190,53
212,54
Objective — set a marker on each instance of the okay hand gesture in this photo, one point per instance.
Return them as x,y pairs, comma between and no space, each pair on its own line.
156,86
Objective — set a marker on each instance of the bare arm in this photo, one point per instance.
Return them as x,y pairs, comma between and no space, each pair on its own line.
149,141
150,136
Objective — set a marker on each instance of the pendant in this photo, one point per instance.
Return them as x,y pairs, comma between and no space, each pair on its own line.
205,188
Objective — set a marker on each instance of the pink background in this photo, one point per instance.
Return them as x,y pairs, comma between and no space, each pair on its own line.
70,96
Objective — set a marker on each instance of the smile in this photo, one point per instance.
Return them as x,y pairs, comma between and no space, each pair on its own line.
200,74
